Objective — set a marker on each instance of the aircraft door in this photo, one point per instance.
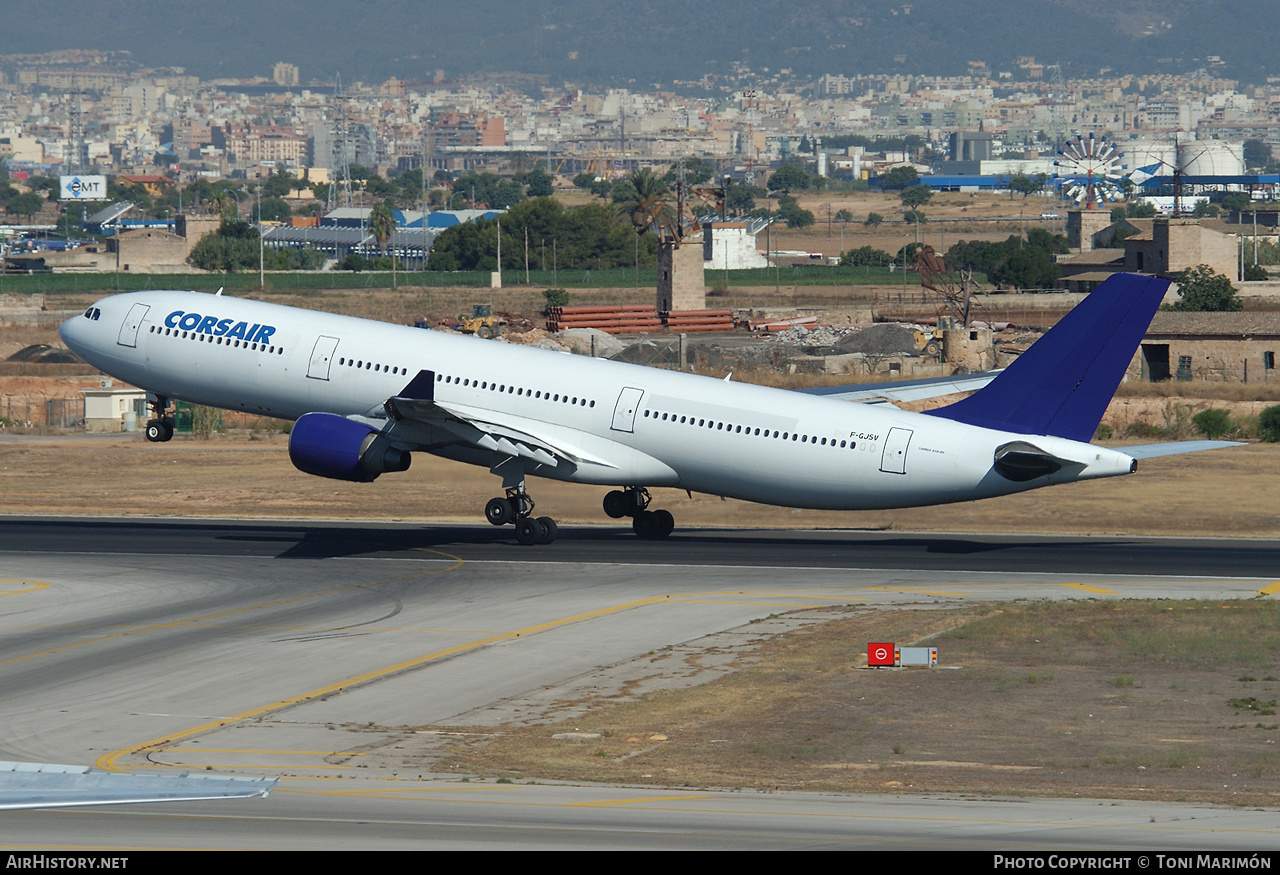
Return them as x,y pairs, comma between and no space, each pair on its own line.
322,357
894,459
624,412
129,330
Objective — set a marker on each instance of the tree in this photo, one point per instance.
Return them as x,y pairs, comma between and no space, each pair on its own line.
1024,185
866,256
1236,202
1028,268
873,220
900,177
1256,154
789,177
915,216
791,213
1212,423
645,199
916,195
1202,290
1269,424
1140,211
382,222
741,198
25,204
274,209
538,182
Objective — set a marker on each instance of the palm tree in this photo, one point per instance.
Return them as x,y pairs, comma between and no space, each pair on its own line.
383,224
646,199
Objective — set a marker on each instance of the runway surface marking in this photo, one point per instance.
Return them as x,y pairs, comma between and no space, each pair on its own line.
636,801
35,586
232,612
1131,816
109,761
1270,590
958,595
1087,588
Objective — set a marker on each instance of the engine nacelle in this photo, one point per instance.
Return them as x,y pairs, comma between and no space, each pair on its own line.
343,449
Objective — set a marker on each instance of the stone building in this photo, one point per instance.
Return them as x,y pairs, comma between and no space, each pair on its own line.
681,282
1177,244
1217,347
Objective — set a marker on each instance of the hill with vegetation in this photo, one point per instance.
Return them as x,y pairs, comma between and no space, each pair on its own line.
660,41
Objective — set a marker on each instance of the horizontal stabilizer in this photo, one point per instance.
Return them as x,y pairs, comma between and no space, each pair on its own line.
1174,448
1061,385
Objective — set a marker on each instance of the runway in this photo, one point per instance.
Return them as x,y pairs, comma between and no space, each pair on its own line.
307,649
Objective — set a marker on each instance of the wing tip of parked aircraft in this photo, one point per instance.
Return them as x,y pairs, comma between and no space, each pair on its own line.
54,785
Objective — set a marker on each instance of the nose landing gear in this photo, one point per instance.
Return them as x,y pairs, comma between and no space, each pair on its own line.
634,502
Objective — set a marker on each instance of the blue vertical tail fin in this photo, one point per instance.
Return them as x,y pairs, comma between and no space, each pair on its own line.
1061,385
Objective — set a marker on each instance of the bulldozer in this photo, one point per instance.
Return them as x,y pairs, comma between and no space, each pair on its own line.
482,322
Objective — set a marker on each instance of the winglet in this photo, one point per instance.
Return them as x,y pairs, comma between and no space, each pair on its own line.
421,388
1061,385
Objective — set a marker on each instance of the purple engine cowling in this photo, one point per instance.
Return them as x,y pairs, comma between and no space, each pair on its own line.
331,446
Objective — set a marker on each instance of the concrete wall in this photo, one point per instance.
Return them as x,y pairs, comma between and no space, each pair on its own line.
150,249
728,246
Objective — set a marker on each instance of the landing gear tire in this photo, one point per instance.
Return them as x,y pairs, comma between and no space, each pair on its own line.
646,525
666,522
529,531
549,529
159,431
618,504
499,511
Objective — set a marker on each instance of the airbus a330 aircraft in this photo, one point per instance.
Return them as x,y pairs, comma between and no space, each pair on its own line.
365,395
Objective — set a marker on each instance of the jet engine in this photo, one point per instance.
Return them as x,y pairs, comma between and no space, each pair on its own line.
331,446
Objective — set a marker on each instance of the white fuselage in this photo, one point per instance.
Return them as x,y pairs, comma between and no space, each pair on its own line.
630,425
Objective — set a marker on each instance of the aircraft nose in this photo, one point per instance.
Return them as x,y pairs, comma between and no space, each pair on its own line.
73,333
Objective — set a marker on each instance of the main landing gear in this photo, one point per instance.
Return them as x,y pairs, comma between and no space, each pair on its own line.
517,507
634,502
160,429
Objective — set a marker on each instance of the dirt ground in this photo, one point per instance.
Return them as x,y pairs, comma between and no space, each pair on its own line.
1171,701
1232,492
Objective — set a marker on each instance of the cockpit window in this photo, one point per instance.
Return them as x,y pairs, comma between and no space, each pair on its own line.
93,313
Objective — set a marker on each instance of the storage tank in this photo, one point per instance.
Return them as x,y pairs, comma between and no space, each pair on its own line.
1143,159
1211,158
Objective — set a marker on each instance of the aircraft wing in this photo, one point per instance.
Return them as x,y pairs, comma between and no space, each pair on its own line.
415,405
48,785
905,390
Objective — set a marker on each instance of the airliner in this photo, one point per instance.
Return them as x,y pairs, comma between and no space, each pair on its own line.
366,395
